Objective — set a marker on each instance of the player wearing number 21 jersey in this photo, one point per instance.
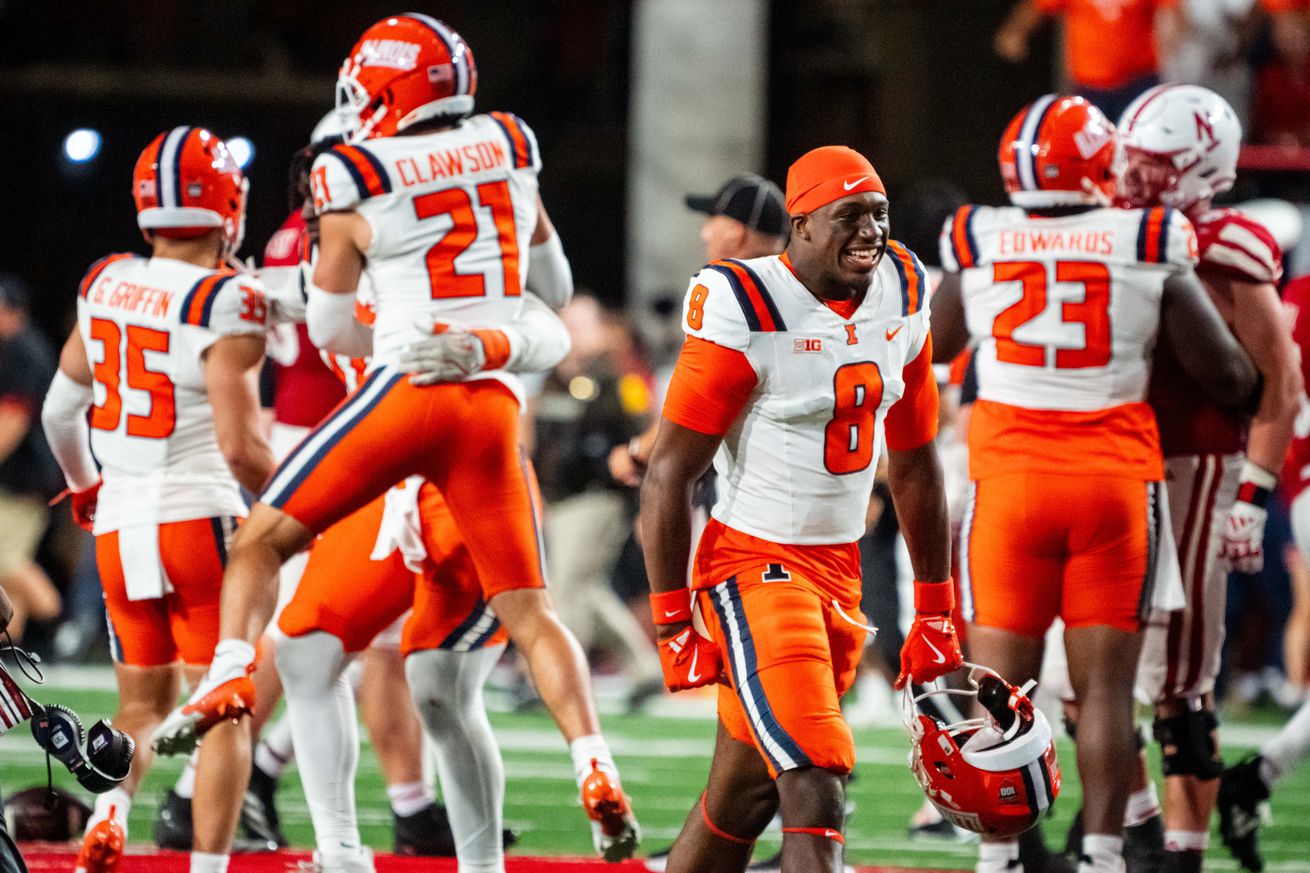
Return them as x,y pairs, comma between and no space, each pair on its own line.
795,369
1064,298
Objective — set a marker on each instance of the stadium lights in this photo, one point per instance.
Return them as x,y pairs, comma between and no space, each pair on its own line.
243,150
82,145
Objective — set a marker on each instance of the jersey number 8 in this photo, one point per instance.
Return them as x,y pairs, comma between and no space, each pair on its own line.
848,437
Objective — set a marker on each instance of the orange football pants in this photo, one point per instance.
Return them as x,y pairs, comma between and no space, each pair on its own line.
788,651
182,624
353,597
1035,546
462,438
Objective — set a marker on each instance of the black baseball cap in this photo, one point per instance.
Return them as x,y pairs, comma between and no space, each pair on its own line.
753,200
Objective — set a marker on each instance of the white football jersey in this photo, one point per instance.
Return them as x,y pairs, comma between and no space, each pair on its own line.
452,215
1065,309
146,324
797,465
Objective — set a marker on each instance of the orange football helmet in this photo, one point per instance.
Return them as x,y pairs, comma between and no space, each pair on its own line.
1060,151
405,69
186,183
994,775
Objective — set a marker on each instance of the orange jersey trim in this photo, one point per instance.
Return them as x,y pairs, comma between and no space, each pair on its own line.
710,385
198,304
962,237
912,420
913,280
1154,236
1122,441
755,302
522,148
97,268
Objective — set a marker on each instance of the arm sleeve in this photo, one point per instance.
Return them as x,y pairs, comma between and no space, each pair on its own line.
332,326
710,385
549,275
538,339
912,420
63,417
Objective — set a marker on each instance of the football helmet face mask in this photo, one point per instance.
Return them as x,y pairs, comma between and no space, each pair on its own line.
993,775
1059,151
405,69
186,183
1191,134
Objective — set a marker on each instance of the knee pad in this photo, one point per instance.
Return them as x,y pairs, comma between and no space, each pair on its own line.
309,663
1187,745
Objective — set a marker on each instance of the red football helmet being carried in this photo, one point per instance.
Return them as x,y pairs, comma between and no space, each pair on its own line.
405,69
1060,151
994,775
186,183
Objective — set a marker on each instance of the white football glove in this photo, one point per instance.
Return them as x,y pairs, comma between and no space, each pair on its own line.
1241,546
448,356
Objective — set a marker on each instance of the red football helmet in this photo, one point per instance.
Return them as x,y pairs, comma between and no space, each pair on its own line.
993,775
1060,151
405,69
186,183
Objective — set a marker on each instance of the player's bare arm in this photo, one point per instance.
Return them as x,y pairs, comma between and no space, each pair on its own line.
1262,329
1205,347
232,367
949,332
918,492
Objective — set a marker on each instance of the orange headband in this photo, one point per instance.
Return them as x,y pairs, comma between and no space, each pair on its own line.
828,173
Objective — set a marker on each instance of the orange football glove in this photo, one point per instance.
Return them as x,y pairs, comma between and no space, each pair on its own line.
84,504
689,660
932,648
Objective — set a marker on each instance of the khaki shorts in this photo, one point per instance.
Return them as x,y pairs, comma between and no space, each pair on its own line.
23,520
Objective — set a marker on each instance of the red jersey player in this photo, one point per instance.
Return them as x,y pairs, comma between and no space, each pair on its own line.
1181,143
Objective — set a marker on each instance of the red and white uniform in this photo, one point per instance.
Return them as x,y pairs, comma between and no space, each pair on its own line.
1065,516
1203,445
1296,471
169,500
803,393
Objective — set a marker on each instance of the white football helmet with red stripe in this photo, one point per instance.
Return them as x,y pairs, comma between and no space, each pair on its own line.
1181,144
405,69
993,775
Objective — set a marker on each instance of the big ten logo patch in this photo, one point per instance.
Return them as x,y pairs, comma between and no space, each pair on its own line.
806,344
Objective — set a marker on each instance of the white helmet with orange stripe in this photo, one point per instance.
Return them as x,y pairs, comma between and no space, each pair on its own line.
1181,144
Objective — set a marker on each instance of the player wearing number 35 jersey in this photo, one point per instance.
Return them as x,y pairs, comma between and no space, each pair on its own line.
795,370
1064,297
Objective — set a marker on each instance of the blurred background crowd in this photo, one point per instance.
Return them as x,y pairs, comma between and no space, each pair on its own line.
645,177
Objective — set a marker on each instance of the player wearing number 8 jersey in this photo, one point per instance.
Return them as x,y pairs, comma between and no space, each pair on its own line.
440,207
166,355
794,369
1064,297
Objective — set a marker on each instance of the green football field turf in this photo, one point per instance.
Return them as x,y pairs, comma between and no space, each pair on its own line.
664,762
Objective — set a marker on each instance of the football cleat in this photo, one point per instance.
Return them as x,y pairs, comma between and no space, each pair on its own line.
102,847
614,828
259,818
173,823
214,700
1243,807
356,860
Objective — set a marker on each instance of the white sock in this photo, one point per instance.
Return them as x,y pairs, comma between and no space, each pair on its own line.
1143,805
995,857
1102,854
410,797
590,748
321,710
118,800
1186,841
1288,748
276,748
203,862
447,691
186,782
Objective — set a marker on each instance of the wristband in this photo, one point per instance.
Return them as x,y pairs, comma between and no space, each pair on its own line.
1255,485
495,345
670,607
935,598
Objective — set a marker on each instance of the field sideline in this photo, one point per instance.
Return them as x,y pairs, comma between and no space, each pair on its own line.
664,759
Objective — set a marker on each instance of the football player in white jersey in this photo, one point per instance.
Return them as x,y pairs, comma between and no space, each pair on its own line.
1181,144
442,209
1065,295
795,368
166,355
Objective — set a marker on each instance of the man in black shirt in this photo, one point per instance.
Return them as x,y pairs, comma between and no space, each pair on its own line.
28,475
